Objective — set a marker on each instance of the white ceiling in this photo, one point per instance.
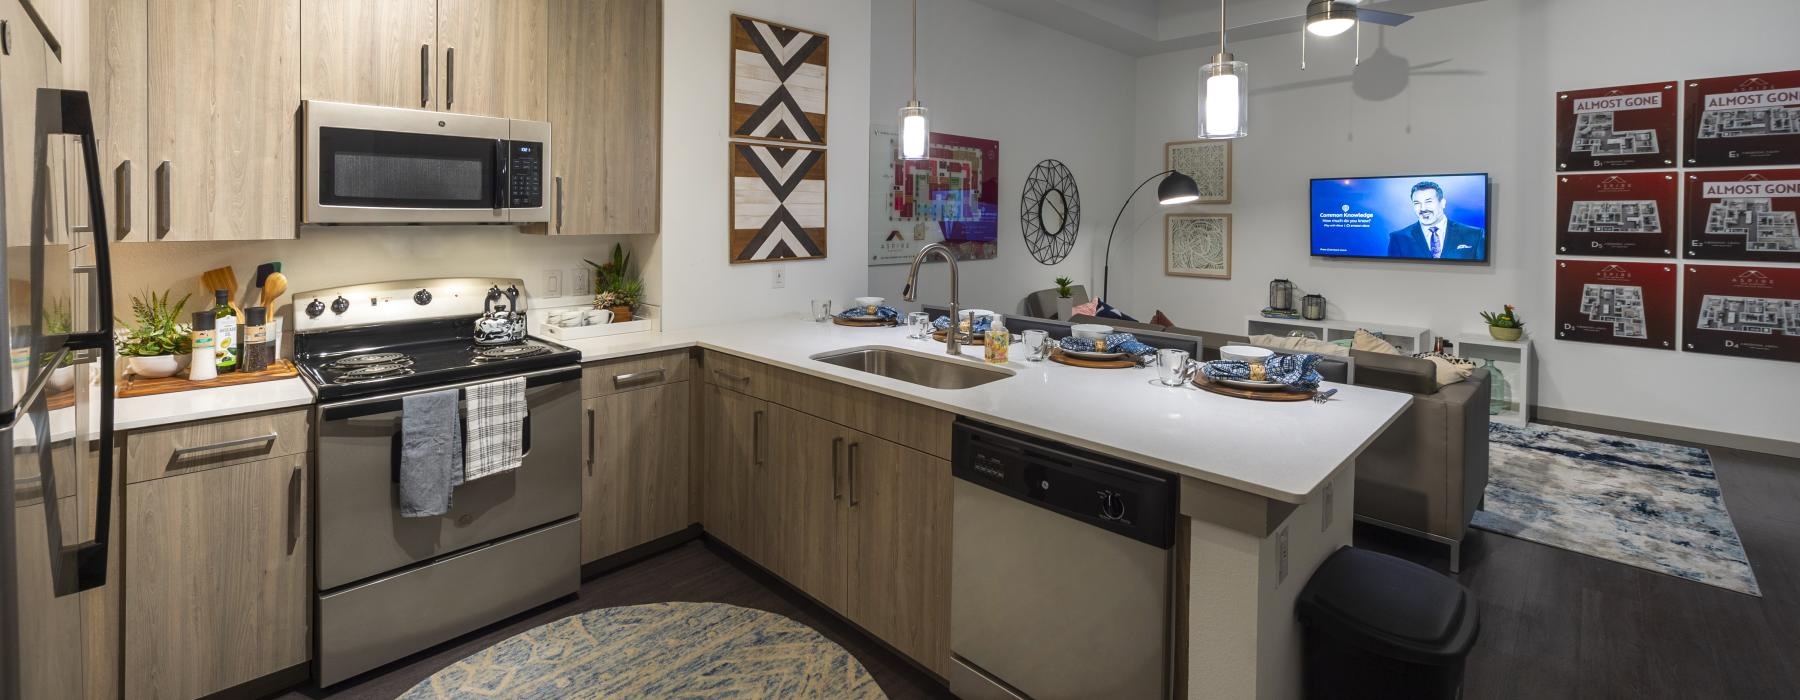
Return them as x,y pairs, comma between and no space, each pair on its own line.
1146,27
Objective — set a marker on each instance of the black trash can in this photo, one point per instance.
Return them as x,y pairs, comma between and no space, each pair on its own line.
1378,626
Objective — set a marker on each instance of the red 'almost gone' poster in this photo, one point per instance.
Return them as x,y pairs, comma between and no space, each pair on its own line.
1742,311
1616,128
1743,215
1617,303
1617,214
1743,120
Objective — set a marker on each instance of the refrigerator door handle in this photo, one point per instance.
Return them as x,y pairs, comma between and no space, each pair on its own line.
10,418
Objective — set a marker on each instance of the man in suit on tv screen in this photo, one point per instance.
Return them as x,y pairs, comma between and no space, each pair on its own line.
1435,236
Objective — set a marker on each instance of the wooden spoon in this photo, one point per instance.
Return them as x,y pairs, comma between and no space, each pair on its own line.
273,288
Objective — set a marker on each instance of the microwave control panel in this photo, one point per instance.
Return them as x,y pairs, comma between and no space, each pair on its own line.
526,175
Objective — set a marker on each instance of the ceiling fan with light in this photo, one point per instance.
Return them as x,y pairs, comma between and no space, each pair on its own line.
1329,18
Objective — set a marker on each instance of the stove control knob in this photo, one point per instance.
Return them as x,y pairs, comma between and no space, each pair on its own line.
340,305
422,297
315,309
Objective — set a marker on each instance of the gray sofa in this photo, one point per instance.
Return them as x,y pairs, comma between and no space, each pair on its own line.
1426,474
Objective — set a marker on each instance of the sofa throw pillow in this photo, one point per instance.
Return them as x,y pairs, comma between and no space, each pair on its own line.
1088,309
1106,310
1450,369
1316,347
1369,342
1161,319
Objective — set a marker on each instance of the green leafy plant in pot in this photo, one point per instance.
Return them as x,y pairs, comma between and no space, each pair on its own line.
159,344
615,288
1065,298
1505,325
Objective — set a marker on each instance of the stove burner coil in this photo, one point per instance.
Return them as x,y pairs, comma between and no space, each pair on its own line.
374,358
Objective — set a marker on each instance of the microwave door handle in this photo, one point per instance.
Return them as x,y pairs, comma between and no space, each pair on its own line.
501,178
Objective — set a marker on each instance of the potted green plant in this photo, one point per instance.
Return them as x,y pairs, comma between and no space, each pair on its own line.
615,288
57,322
1505,325
160,345
1065,298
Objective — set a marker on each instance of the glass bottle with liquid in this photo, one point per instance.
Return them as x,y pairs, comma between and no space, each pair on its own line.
998,341
225,332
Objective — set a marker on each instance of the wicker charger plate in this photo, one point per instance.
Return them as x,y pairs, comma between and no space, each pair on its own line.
864,322
1058,356
1201,381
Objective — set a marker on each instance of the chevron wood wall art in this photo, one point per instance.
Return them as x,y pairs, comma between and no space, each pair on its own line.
778,81
777,203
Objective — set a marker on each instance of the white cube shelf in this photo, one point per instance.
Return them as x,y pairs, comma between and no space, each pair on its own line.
1407,339
1512,398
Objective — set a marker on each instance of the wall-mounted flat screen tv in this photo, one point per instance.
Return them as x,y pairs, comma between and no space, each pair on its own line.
1405,217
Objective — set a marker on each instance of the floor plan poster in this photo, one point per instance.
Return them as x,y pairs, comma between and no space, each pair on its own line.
1743,120
1617,214
1743,215
1615,128
1618,303
1742,311
952,196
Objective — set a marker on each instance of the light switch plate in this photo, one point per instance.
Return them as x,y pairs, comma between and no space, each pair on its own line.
778,279
553,283
579,284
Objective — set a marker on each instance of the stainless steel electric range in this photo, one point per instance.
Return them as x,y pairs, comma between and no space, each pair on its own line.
389,586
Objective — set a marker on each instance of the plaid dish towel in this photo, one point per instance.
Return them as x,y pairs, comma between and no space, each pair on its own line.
494,429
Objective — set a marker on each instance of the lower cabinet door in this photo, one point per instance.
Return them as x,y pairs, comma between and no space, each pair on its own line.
635,481
734,425
898,503
804,491
217,590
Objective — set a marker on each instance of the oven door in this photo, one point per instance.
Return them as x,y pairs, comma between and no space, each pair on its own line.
360,531
385,165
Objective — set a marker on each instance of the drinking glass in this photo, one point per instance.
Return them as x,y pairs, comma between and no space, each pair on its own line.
1173,367
821,310
919,323
1037,345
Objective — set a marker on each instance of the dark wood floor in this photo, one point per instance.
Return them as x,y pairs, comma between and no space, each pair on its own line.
1555,624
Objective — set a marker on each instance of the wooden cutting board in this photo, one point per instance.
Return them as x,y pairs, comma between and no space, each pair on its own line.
864,322
1058,356
133,385
1201,381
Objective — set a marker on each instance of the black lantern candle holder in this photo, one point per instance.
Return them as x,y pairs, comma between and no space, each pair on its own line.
1281,295
1312,307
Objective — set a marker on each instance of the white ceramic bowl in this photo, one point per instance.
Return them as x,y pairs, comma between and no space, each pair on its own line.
159,366
1090,330
869,301
1245,353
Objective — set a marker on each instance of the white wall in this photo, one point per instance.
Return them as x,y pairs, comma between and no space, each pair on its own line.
699,285
1039,92
1467,88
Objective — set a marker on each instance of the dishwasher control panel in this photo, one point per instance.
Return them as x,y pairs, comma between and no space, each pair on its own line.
1123,498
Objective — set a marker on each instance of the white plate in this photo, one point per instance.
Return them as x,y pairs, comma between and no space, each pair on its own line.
1252,385
1094,355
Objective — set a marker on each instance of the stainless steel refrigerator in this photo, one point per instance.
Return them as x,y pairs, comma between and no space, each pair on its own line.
56,440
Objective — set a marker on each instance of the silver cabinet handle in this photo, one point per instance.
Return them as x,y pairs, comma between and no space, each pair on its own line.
424,75
837,492
164,220
124,199
559,203
590,454
756,438
268,441
855,493
449,77
294,510
650,376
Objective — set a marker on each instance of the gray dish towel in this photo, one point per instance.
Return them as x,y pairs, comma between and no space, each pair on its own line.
494,434
431,453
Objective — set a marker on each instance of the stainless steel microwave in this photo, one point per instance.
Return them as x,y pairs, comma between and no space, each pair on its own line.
387,165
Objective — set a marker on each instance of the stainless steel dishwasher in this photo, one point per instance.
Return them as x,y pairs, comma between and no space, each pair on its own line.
1062,580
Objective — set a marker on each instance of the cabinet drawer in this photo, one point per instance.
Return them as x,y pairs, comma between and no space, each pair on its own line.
627,373
917,426
154,453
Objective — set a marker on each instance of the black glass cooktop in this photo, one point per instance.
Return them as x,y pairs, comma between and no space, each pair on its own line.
361,362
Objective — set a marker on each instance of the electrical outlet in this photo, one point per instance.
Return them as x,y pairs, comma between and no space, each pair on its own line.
779,278
578,281
553,283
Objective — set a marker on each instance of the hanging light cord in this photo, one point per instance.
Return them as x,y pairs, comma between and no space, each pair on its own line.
915,51
1221,27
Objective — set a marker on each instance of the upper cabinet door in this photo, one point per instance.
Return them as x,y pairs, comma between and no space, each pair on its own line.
373,53
492,55
224,90
606,115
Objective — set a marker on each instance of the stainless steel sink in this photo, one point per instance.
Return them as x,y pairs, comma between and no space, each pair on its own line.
914,368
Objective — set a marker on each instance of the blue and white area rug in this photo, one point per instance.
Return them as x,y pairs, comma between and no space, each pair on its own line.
1647,504
661,650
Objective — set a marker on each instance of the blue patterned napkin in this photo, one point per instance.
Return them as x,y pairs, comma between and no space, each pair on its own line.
883,312
981,325
1296,371
1116,342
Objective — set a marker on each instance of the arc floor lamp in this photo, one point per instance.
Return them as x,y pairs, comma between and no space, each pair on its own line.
1176,188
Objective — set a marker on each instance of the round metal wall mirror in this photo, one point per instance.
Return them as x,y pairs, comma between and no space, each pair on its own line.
1050,212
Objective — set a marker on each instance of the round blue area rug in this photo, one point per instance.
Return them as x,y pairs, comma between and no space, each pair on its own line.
662,650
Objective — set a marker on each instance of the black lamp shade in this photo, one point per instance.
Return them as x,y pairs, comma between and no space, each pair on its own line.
1177,189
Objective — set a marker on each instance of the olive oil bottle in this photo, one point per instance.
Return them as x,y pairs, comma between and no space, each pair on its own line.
225,332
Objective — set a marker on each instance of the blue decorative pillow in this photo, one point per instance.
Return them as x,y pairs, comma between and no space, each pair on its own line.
1105,310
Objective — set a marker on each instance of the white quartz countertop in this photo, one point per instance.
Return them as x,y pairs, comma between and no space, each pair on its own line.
1278,450
201,404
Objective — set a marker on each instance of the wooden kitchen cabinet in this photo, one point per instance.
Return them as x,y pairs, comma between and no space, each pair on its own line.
493,54
635,485
734,449
223,91
373,53
605,101
804,492
217,584
23,69
898,504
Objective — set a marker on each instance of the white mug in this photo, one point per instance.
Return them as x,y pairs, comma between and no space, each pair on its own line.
595,317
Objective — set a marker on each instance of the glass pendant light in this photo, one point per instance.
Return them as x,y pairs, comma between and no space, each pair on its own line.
914,133
1224,93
